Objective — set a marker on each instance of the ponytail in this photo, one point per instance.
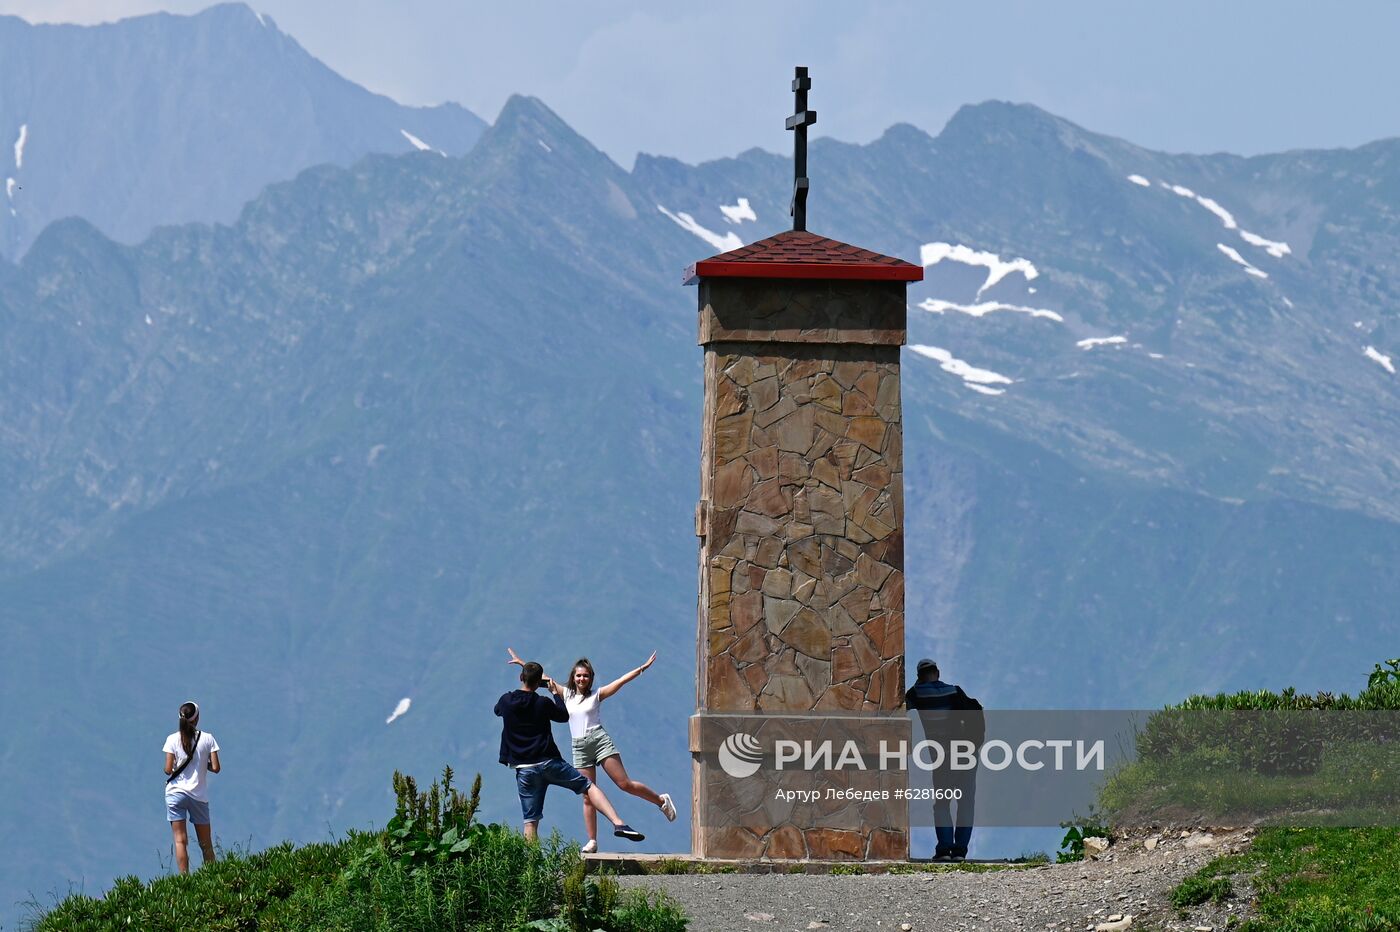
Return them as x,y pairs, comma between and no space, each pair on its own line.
189,715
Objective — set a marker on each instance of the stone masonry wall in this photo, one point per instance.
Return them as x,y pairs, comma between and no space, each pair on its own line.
803,552
801,522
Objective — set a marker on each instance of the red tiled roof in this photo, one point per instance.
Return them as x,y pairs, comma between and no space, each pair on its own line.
799,254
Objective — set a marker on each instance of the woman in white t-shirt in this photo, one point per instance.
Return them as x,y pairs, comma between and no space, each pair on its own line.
190,756
593,747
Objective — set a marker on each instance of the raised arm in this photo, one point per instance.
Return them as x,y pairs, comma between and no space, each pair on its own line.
515,659
625,678
558,712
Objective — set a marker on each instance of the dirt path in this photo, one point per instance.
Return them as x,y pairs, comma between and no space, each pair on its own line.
1129,879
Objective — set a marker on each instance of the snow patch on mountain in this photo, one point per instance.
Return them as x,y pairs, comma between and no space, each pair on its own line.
997,268
19,145
1272,247
1226,218
419,144
1139,180
399,710
1092,342
973,377
10,185
544,145
688,223
738,213
1382,358
1236,257
939,306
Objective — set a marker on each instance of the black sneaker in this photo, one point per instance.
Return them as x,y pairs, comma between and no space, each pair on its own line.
943,859
623,830
957,859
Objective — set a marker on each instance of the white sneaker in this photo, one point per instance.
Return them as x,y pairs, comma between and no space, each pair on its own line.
589,848
668,807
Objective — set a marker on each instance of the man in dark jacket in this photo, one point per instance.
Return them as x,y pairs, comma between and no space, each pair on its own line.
948,715
527,745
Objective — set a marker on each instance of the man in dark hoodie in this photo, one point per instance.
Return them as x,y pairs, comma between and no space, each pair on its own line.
527,745
949,716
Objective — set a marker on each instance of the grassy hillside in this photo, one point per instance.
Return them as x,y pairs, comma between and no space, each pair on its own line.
1300,878
1263,757
434,867
1309,880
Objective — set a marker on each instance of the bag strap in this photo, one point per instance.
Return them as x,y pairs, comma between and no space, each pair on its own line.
193,751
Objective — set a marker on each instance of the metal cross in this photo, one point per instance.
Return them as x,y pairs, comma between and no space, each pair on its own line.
799,122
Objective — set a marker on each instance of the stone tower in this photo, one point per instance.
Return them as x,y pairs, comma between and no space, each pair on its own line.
801,525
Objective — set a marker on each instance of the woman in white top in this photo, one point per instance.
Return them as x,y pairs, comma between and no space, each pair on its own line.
190,756
592,746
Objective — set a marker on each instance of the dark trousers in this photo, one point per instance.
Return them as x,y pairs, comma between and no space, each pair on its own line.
954,831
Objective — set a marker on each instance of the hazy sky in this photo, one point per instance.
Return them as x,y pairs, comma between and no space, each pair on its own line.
700,81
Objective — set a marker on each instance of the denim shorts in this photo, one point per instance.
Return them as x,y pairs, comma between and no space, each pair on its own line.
533,781
181,806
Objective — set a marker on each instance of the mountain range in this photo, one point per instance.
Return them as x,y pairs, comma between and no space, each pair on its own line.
167,119
344,449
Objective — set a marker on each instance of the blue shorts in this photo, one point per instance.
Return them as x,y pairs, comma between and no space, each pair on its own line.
180,806
533,781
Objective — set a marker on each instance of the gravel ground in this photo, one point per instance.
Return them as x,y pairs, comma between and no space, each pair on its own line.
1129,879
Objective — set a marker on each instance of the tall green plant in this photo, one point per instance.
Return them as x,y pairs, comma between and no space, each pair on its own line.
1072,845
1381,677
431,826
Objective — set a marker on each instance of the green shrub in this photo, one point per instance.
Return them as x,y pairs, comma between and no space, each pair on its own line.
1259,755
1382,677
1198,889
435,825
1382,694
1072,845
